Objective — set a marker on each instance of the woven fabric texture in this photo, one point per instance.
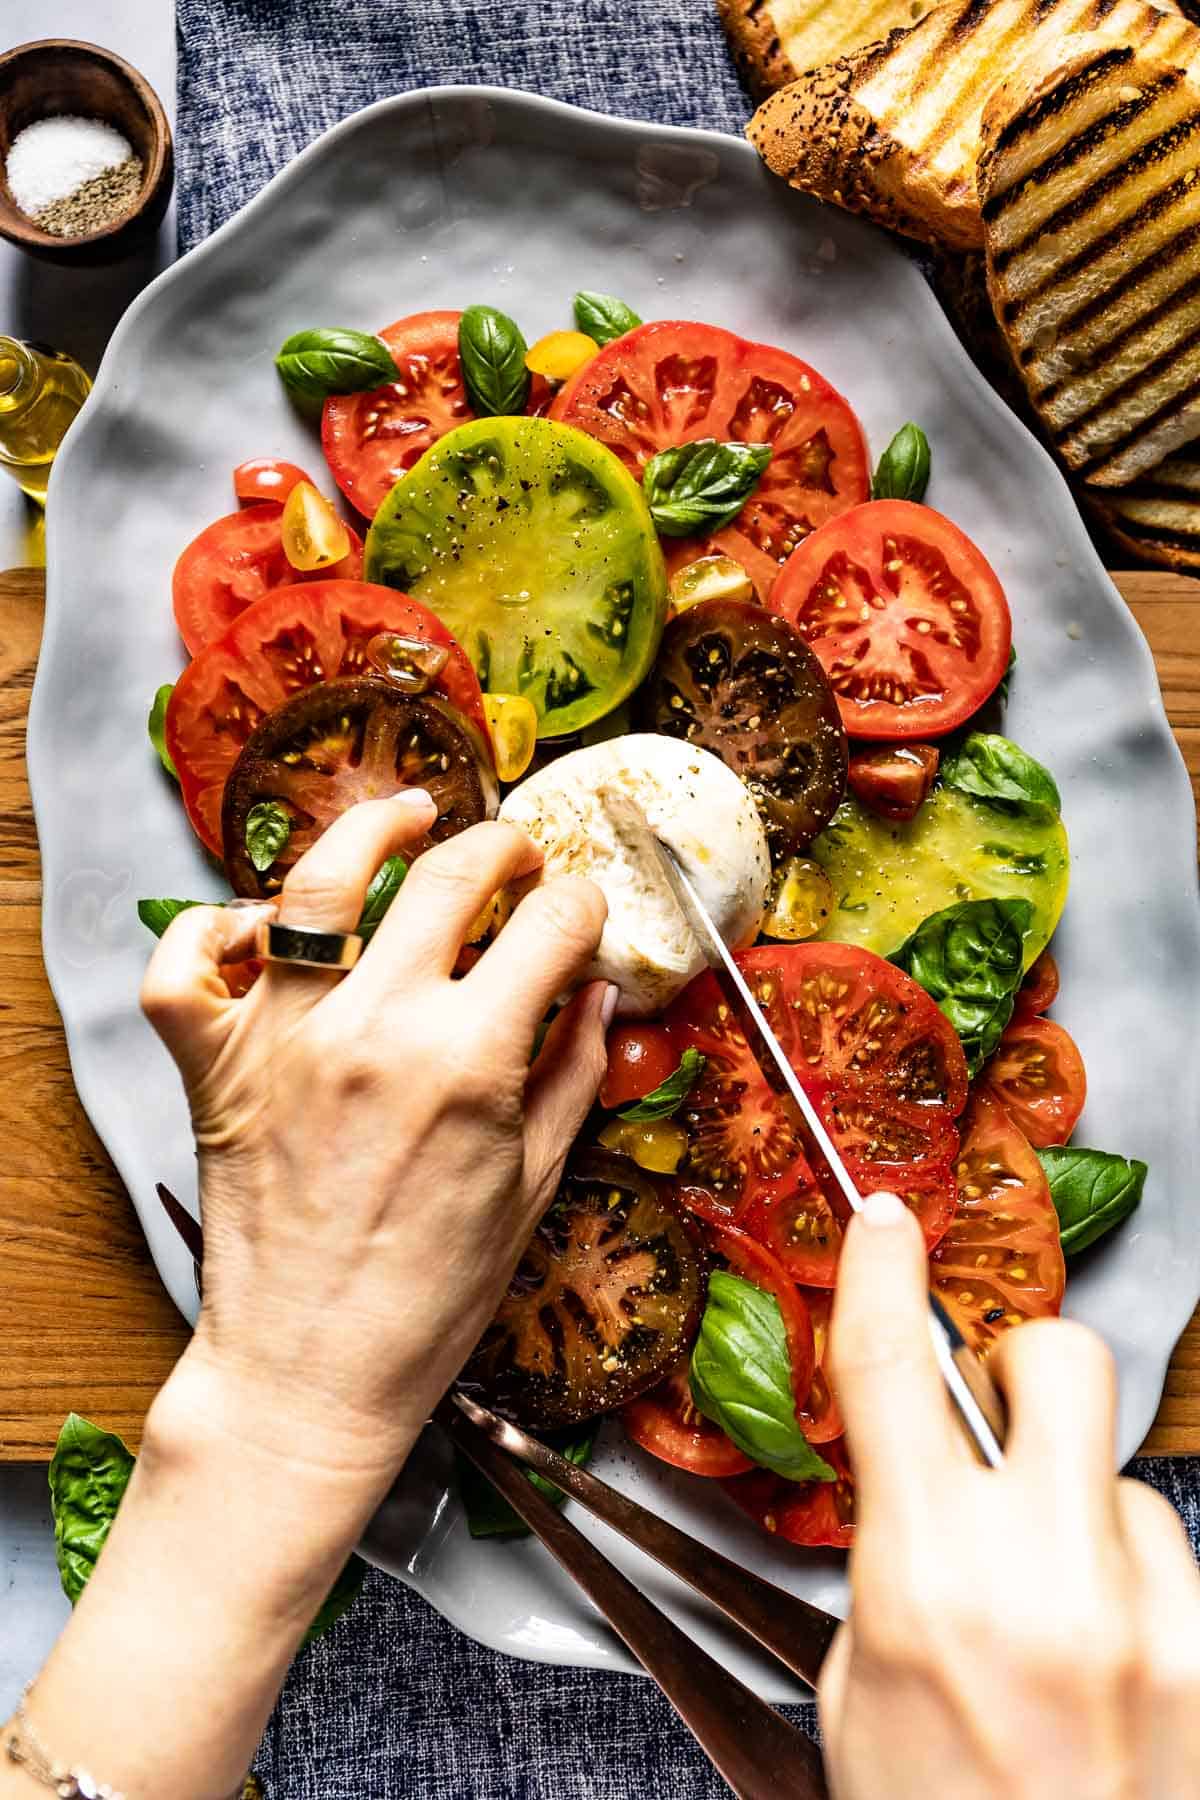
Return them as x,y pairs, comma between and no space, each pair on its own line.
395,1704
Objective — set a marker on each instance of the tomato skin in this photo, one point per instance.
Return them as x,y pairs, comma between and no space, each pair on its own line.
232,564
894,779
754,1262
667,1423
673,381
811,1513
640,1058
1039,990
820,1417
906,615
265,478
1038,1074
291,638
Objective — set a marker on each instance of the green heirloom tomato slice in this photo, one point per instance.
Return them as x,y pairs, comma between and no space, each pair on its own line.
888,877
535,547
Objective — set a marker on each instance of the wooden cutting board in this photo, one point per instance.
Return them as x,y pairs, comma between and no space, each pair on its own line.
84,1322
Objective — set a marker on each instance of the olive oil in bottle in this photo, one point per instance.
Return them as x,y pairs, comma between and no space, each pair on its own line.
41,390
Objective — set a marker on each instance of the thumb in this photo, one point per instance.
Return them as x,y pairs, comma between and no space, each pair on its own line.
562,1085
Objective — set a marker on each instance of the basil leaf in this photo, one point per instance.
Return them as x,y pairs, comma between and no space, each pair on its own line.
970,959
315,364
903,470
742,1379
268,828
701,486
488,1512
1092,1191
156,915
339,1599
666,1099
492,352
89,1473
386,885
1006,679
156,725
995,769
603,317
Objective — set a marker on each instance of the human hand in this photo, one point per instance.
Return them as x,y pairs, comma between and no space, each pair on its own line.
375,1151
1020,1633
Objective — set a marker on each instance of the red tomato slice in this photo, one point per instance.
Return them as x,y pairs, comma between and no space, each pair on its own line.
906,615
233,563
372,439
1001,1260
263,478
667,1423
640,1057
755,1263
671,382
812,1513
298,635
820,1417
894,779
1039,990
1038,1073
871,1048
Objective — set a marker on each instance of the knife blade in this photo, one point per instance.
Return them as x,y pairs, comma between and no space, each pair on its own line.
970,1386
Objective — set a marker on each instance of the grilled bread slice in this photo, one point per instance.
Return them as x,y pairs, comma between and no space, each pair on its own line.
1091,206
1158,517
893,130
773,41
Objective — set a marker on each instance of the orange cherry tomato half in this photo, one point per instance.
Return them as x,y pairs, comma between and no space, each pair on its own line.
1039,990
264,478
640,1058
893,780
1038,1073
668,1424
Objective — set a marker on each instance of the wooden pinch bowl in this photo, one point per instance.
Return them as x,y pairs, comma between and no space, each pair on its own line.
60,75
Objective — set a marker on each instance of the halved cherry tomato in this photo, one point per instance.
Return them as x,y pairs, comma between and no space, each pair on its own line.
668,1424
298,635
1039,990
264,478
233,563
1001,1260
863,1038
820,1417
373,438
640,1057
893,780
1038,1073
755,1263
906,615
811,1513
671,382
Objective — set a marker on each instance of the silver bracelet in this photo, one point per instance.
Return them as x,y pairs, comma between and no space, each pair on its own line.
25,1748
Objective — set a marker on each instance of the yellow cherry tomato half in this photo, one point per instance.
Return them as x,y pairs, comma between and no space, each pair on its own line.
657,1145
313,535
513,722
710,578
801,900
559,354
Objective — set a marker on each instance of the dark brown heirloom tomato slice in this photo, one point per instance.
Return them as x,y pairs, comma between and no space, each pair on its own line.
335,744
893,779
742,683
673,381
1001,1260
811,1513
906,615
602,1305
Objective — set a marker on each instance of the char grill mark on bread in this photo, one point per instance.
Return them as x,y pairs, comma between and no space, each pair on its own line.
1157,517
773,41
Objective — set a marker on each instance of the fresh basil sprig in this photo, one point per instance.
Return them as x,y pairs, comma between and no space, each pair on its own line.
268,828
315,364
492,351
156,915
383,890
742,1379
603,317
89,1472
701,486
970,959
666,1099
156,724
488,1512
1092,1191
994,769
903,469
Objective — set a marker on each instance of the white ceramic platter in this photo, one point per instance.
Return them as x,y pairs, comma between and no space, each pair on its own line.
437,199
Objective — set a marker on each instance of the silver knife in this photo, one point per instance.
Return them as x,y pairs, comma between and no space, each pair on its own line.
971,1388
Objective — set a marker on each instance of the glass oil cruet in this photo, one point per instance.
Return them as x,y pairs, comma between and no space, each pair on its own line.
41,390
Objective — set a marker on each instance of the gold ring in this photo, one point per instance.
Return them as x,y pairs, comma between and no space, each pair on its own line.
337,951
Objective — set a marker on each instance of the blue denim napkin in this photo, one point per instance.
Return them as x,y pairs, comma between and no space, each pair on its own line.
395,1704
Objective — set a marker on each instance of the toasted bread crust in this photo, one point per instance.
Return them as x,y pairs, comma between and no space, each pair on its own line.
757,45
1156,519
774,41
